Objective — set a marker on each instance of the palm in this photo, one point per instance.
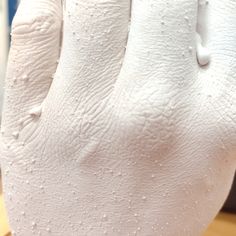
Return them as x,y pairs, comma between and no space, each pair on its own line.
126,142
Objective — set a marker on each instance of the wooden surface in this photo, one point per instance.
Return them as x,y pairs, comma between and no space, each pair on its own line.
223,225
4,229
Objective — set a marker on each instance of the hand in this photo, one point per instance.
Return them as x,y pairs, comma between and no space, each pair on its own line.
128,134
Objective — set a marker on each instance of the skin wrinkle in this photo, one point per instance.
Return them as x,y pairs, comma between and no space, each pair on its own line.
128,134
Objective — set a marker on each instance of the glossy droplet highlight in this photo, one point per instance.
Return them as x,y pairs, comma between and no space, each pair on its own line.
203,54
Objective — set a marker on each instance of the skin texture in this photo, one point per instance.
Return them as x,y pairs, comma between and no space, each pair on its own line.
128,134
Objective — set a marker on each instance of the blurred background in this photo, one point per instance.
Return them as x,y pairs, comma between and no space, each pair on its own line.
224,224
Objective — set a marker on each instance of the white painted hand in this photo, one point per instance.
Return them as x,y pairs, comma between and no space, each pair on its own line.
121,142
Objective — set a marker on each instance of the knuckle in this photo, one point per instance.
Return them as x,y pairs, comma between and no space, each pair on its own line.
36,24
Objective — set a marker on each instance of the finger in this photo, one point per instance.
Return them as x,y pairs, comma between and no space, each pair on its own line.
218,80
220,38
32,60
95,36
162,42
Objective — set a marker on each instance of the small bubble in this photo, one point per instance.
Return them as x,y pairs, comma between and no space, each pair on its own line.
190,49
25,77
33,224
104,217
186,18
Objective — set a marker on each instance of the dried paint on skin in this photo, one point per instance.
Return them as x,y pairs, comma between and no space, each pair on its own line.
118,127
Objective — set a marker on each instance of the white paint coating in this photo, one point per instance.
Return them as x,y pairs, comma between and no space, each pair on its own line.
36,111
203,53
134,137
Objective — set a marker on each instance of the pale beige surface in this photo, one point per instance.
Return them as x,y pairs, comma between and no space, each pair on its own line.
223,225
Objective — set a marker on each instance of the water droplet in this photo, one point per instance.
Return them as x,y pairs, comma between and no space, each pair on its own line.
203,55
